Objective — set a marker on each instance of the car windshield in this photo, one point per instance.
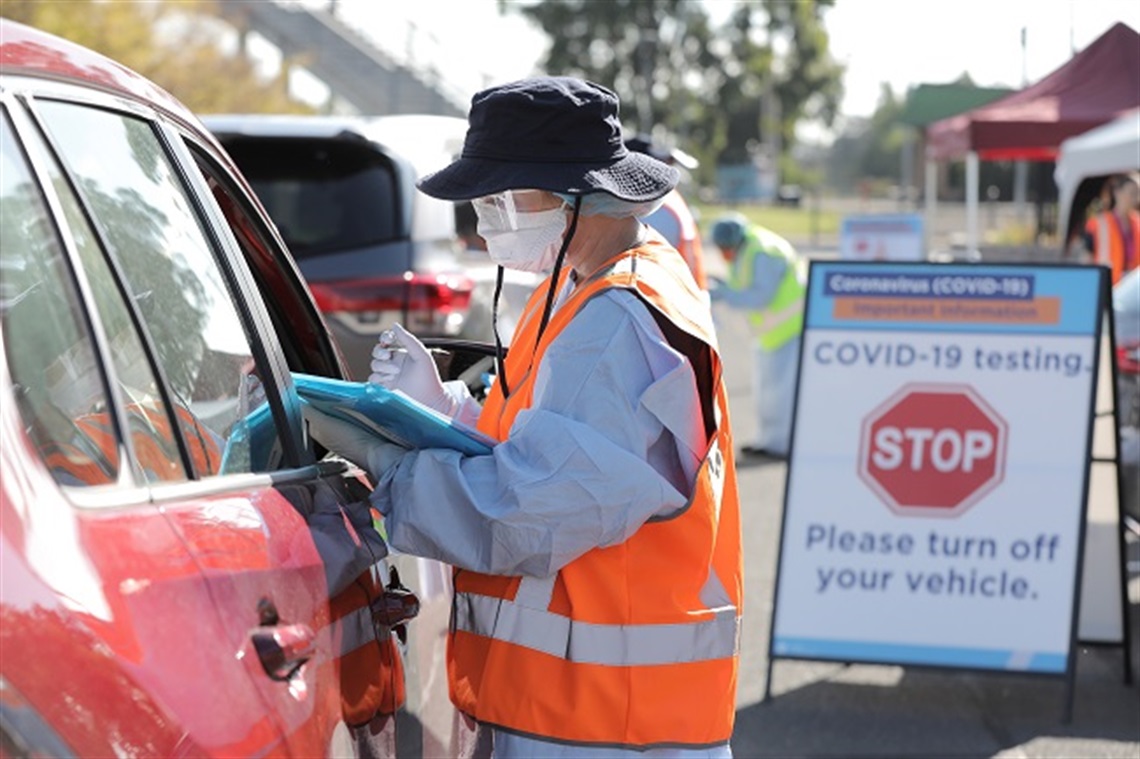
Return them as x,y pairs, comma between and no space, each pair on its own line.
325,196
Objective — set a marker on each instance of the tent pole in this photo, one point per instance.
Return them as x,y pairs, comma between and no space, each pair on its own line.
930,201
1020,187
972,251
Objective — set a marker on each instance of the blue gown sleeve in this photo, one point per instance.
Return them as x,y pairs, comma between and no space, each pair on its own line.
611,440
767,273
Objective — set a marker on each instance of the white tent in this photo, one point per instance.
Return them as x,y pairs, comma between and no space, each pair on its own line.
1108,149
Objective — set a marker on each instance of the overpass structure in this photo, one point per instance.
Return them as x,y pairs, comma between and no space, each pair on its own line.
361,77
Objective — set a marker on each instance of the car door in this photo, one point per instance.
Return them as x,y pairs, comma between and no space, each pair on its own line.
110,636
427,723
292,320
249,498
425,717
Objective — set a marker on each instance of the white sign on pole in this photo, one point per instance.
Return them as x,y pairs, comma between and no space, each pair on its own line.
935,501
882,237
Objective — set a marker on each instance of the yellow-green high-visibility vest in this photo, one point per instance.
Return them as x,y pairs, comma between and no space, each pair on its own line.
783,319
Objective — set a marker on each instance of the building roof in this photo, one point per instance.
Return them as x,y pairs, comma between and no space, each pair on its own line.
928,103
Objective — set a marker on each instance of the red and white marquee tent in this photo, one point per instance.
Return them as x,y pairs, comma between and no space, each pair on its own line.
1095,86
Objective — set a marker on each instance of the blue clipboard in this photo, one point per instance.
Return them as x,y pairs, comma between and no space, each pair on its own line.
390,414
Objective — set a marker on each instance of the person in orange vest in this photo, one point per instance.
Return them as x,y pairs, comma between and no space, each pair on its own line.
674,219
596,549
1112,236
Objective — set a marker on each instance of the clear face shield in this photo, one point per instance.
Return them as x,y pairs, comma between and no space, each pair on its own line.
508,211
524,230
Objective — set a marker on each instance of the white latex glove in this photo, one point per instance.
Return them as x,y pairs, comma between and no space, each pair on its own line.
371,453
401,362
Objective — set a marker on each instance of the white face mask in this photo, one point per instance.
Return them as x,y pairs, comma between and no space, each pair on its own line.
518,239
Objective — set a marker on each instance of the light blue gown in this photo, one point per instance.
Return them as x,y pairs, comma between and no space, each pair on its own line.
774,372
613,438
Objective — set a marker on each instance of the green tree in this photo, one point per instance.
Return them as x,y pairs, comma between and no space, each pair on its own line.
171,42
712,88
871,148
882,156
808,82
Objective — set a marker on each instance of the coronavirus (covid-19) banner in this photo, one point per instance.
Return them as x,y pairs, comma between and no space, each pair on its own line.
936,489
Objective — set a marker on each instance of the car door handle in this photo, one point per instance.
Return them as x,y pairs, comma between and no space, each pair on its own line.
282,649
395,606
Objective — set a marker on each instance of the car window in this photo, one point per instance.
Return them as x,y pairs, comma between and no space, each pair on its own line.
60,392
325,196
178,289
302,336
156,455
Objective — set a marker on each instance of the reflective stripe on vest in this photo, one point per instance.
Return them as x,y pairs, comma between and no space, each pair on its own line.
634,645
607,645
769,319
352,631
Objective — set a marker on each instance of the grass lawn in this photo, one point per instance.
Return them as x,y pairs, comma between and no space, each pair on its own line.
795,224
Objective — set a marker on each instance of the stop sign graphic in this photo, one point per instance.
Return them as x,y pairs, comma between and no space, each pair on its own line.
932,449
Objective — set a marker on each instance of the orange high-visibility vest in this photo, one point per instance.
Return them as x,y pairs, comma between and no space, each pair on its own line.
1110,243
688,243
154,445
635,645
370,669
73,465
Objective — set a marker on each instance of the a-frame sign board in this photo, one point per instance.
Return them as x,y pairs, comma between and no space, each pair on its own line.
938,490
1104,594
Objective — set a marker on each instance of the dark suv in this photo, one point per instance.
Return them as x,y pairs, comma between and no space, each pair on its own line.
373,249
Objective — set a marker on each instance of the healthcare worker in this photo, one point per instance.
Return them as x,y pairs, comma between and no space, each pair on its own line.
768,280
596,549
1113,235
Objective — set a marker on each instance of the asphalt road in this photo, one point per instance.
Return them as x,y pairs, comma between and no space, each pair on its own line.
825,709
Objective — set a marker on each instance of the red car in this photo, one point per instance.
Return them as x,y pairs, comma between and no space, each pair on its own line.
182,570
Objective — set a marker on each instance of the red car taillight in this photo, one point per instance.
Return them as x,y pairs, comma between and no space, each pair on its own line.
434,303
1128,359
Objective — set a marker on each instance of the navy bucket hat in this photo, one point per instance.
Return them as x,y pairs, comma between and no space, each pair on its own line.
559,134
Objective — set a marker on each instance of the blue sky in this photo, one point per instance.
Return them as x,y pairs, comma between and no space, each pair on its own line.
906,42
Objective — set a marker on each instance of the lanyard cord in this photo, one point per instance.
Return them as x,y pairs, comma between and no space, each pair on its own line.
499,359
500,362
551,292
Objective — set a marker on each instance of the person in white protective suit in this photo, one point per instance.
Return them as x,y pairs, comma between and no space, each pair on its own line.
767,280
596,549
